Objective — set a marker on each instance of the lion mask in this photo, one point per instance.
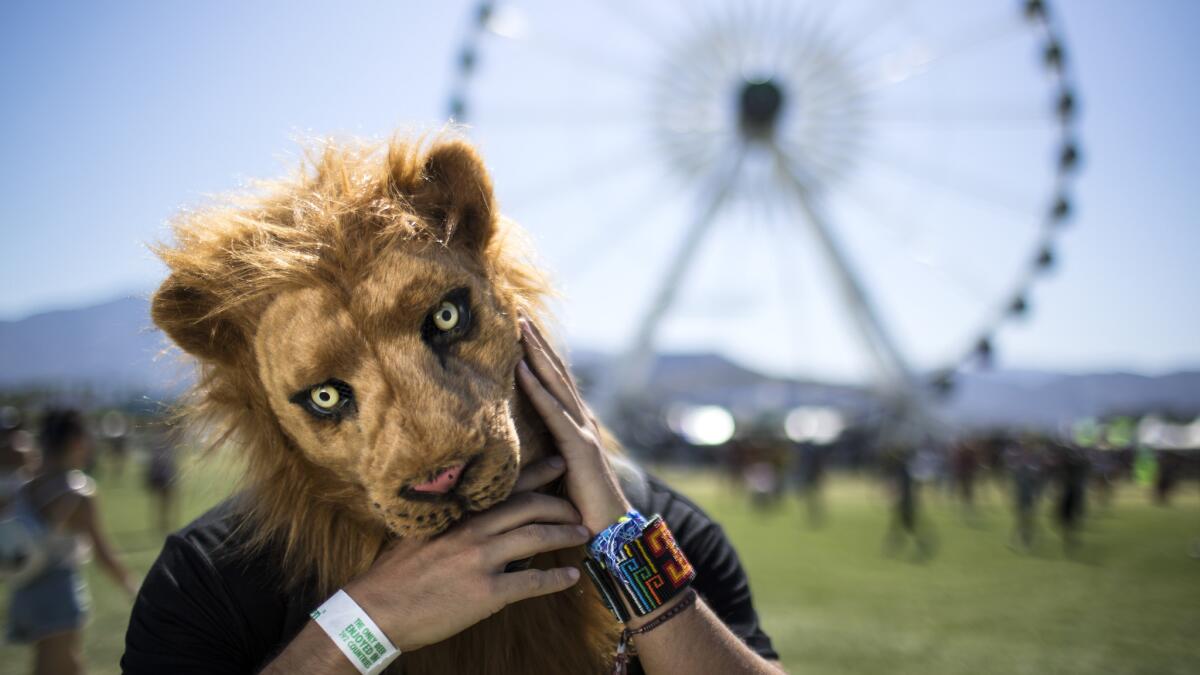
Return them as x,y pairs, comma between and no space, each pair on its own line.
357,332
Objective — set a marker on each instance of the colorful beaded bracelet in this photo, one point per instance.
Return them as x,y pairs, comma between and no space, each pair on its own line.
643,563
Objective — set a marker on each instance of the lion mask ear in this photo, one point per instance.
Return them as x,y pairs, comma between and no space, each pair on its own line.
190,317
455,195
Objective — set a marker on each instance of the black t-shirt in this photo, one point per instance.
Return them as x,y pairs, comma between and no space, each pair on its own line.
201,610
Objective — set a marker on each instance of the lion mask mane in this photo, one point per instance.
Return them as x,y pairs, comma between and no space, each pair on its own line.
356,332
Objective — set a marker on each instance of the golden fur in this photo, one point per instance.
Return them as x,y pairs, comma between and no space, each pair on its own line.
331,274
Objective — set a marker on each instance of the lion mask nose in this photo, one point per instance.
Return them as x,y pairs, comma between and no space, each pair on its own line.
443,482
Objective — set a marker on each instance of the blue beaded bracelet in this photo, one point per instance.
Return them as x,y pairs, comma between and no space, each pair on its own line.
640,560
607,544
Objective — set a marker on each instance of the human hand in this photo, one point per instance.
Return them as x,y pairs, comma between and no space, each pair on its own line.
420,593
591,483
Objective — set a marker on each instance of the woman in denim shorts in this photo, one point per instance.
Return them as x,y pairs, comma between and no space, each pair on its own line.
49,609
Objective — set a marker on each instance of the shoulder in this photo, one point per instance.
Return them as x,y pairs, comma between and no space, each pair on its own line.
651,495
214,534
207,599
48,488
214,547
64,498
204,551
701,537
80,483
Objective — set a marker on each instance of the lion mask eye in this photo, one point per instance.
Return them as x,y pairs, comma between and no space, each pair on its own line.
324,396
446,316
449,322
332,399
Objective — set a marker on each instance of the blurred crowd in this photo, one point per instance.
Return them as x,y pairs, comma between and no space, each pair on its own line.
1061,475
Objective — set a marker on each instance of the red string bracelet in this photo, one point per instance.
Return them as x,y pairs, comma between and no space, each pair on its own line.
688,601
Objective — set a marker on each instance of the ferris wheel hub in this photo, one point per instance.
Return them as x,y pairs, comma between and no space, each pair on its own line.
760,103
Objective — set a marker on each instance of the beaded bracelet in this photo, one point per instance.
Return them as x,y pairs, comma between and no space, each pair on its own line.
689,599
643,563
620,665
607,543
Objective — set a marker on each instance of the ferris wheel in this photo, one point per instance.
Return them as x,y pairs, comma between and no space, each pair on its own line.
900,169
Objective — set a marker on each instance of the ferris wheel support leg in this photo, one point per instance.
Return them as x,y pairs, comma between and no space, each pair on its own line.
633,370
898,376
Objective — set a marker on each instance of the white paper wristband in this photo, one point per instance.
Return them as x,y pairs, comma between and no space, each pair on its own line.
355,634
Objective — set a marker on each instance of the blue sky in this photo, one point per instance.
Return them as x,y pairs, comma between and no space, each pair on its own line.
116,116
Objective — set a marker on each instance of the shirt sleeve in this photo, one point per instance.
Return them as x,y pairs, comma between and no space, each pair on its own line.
720,578
184,619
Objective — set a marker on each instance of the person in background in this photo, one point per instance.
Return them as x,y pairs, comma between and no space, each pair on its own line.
15,462
812,480
1071,471
49,610
160,476
114,426
1025,464
903,473
964,467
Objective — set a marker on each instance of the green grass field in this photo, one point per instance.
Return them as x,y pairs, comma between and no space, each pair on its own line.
1127,602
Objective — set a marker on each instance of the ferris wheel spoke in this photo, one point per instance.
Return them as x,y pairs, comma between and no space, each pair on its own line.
876,337
796,19
1000,114
875,19
691,158
774,15
794,53
791,293
597,62
822,57
836,84
831,158
534,117
632,17
588,175
701,27
761,23
887,220
955,181
632,372
632,219
916,60
728,53
847,122
692,81
775,217
695,65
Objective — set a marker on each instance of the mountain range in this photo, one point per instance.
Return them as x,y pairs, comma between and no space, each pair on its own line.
112,349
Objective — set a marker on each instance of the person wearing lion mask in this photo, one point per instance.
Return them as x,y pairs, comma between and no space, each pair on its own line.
422,479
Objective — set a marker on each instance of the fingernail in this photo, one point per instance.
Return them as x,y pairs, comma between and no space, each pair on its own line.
522,366
556,462
572,573
583,530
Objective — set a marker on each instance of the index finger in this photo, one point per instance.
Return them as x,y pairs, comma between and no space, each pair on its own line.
522,509
541,341
553,375
586,418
